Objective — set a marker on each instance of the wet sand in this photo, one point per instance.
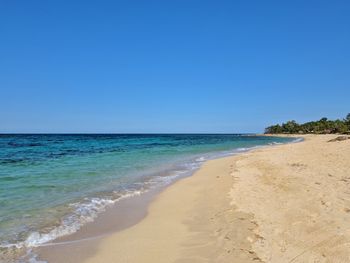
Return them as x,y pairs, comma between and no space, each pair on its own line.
287,203
79,246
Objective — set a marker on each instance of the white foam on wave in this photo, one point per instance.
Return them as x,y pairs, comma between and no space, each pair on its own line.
201,159
298,140
275,143
242,149
84,212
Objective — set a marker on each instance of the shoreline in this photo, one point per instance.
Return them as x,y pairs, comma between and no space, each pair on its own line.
287,203
133,210
81,245
89,173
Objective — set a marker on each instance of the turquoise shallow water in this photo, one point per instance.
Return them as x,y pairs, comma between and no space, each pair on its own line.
50,185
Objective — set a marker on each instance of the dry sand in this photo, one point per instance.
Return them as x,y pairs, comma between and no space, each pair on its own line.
287,203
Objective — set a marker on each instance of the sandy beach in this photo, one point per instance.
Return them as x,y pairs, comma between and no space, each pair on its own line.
286,203
175,132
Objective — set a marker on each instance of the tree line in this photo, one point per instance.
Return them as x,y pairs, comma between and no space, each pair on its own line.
323,126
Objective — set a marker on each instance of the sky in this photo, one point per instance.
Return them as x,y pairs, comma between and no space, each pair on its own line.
179,66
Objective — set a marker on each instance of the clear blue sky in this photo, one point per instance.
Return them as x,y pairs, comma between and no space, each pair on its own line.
171,66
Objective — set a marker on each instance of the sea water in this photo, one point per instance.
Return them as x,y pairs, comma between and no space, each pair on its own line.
51,185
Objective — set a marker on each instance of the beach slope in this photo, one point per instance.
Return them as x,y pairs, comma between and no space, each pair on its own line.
286,203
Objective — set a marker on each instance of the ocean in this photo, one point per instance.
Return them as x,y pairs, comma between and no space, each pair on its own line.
52,184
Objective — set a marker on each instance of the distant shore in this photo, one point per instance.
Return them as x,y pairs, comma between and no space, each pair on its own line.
287,203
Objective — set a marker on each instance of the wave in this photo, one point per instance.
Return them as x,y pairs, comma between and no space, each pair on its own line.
84,212
275,143
87,210
298,140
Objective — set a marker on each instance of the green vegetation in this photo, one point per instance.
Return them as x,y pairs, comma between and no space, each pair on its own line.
323,126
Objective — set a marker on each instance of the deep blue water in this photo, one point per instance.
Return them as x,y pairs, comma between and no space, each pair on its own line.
50,185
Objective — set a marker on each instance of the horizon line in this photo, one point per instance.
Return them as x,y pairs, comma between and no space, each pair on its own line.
126,133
